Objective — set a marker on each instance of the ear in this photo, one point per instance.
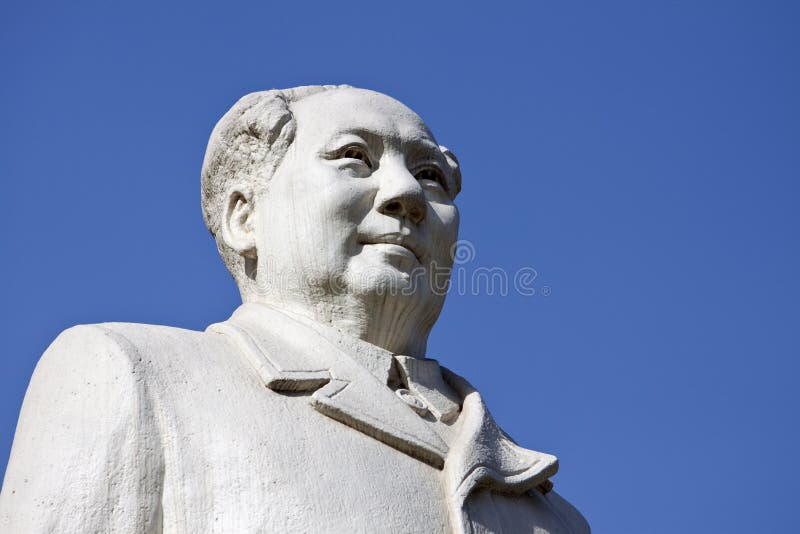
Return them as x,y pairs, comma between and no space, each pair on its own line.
454,167
238,222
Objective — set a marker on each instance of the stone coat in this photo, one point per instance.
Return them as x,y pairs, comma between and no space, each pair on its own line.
262,423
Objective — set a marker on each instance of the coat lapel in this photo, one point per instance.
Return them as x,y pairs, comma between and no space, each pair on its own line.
290,356
483,456
378,413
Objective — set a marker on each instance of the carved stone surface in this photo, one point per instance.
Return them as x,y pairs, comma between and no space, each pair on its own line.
313,408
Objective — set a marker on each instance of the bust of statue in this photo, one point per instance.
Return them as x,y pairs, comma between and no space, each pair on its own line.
314,407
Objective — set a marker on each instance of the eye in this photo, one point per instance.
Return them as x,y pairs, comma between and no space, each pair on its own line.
356,152
433,174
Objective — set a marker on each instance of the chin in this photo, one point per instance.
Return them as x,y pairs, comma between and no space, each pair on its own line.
404,280
396,293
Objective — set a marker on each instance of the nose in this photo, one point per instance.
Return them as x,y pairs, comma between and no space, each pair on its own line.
400,195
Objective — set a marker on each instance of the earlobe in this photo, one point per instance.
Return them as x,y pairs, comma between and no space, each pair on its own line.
238,223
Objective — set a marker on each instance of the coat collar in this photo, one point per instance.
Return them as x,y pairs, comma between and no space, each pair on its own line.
485,456
291,356
346,382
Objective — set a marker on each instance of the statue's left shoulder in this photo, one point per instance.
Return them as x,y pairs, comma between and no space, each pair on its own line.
568,513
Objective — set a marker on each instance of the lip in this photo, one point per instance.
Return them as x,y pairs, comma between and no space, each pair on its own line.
393,238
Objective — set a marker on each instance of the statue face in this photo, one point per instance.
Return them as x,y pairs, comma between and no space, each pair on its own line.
361,205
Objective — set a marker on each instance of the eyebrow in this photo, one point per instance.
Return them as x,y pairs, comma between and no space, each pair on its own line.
424,144
416,148
369,136
360,132
426,147
419,143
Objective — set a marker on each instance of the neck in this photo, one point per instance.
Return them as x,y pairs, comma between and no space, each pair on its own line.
394,323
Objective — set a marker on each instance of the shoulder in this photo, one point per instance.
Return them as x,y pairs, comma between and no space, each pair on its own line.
132,336
95,361
87,436
109,359
113,342
568,513
125,335
552,501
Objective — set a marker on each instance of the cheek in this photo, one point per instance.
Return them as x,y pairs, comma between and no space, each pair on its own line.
324,194
446,219
328,209
443,230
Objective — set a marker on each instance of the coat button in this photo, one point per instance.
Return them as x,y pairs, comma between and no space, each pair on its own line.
413,401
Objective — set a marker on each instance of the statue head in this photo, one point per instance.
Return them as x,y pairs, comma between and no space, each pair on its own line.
336,203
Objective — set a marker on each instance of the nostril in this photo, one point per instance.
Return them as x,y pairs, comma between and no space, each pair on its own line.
404,207
393,207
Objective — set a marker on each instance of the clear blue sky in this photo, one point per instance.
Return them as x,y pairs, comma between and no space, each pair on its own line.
643,157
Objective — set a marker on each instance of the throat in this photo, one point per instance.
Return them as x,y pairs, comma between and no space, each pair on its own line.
395,324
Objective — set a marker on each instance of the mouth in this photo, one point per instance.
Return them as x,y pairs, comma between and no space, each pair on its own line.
393,242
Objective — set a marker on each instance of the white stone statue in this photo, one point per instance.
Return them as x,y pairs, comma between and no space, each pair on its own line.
313,408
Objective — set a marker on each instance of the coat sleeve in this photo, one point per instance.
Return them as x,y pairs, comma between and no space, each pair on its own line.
86,455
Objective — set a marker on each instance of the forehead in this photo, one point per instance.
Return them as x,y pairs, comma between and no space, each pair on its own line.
327,114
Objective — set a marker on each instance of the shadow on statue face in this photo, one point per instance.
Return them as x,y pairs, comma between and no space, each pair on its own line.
360,206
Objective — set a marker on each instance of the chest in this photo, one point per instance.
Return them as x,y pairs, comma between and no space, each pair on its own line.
251,460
